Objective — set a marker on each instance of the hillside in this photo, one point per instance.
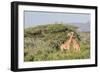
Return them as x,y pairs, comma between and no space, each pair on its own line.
42,43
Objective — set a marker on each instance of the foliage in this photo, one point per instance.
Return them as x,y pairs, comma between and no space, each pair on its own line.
42,43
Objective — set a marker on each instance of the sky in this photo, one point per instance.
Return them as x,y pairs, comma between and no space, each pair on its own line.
33,18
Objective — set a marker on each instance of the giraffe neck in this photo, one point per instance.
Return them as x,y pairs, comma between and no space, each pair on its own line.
69,40
75,41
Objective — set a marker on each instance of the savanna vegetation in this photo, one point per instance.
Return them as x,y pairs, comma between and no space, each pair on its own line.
41,43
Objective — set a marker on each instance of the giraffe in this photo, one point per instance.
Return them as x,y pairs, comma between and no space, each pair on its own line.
75,44
66,45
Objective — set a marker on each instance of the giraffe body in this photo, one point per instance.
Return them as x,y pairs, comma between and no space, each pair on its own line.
64,47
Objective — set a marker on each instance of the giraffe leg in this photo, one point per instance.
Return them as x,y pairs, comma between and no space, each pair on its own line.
78,47
68,47
61,48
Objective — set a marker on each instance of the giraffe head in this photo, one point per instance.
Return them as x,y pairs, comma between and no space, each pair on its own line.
70,34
